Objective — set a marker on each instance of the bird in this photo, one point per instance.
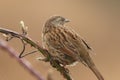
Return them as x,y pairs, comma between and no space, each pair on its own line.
65,45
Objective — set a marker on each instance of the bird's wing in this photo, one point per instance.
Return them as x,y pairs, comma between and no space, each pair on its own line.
76,44
60,43
76,40
68,43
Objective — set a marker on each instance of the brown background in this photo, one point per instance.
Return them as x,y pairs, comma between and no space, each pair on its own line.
96,20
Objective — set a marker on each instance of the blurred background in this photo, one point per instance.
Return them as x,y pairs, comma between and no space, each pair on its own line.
98,21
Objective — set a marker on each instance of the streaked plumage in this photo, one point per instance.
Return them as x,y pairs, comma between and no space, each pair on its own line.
65,45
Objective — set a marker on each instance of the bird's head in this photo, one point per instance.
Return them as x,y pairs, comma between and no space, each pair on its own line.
57,20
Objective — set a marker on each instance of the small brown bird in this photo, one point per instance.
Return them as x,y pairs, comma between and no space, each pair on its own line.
65,45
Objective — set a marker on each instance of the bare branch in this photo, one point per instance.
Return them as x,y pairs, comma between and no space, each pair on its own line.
20,56
26,39
64,71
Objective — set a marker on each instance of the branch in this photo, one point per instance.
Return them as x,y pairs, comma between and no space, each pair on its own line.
64,71
23,62
25,38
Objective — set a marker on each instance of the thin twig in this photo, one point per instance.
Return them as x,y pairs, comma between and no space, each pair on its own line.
26,39
64,71
23,62
28,54
24,47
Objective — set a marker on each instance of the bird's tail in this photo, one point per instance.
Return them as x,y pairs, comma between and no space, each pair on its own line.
92,66
96,72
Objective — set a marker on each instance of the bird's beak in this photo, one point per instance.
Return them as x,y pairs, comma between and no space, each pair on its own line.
66,20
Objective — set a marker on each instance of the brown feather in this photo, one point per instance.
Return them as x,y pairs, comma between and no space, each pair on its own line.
65,45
